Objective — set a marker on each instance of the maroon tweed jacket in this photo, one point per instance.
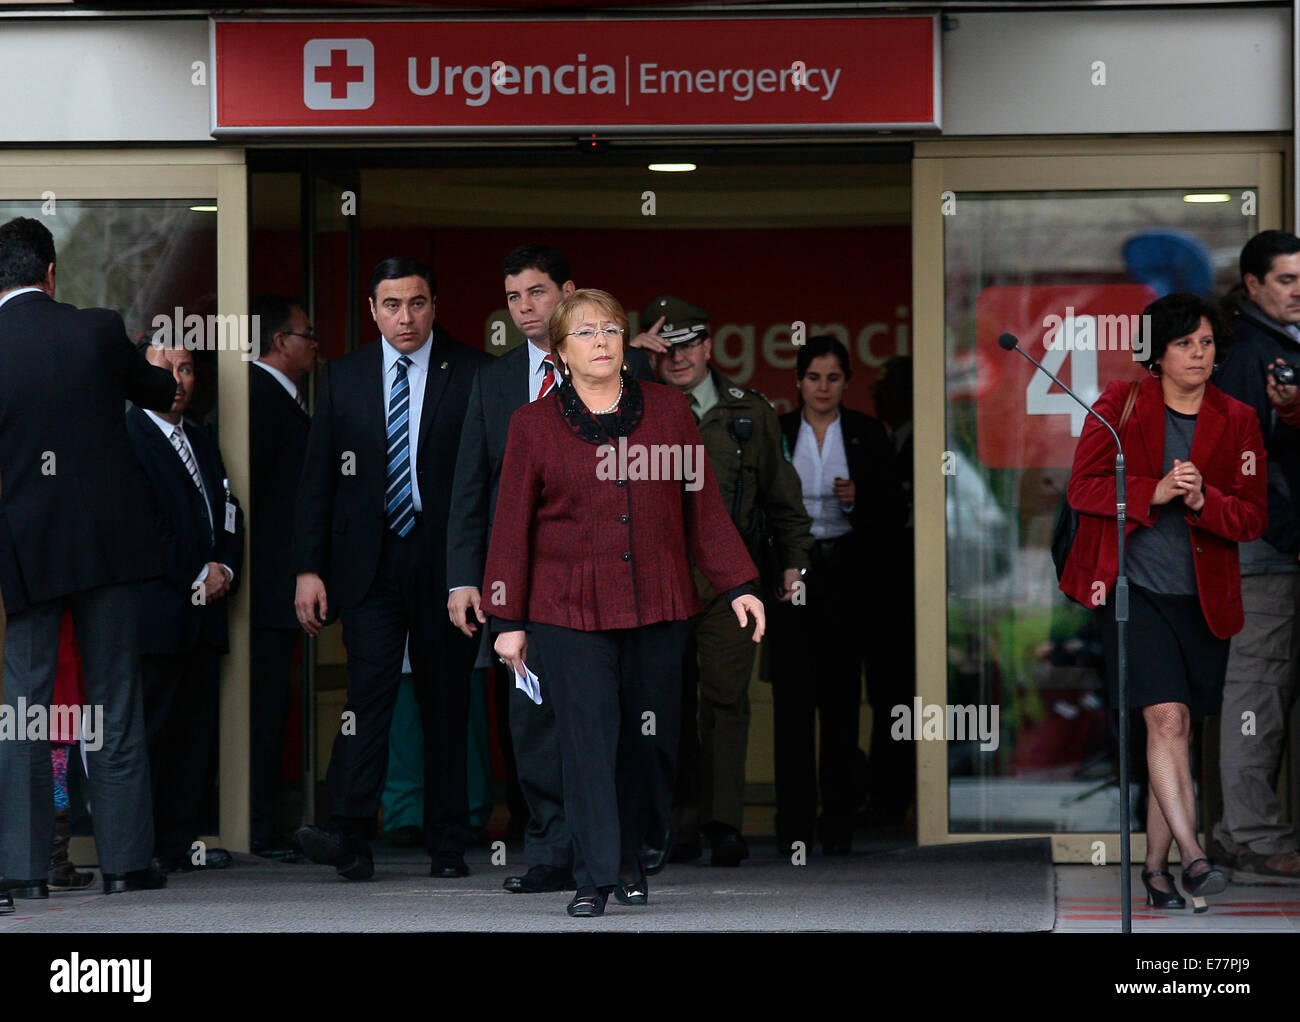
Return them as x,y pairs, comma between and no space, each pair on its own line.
575,546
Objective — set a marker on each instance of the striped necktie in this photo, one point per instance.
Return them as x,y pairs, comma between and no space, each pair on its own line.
399,506
548,380
177,437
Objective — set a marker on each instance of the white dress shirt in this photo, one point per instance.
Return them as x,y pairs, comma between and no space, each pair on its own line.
20,291
416,374
168,428
817,471
289,386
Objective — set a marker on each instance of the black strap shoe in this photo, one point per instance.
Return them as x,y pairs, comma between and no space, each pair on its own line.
1211,881
1157,898
588,902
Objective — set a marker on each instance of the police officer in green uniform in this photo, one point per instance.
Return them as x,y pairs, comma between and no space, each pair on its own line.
762,491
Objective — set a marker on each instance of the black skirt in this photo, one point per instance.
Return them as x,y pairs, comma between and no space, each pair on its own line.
1173,657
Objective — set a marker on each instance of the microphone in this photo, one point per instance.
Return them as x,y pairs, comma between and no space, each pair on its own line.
1009,342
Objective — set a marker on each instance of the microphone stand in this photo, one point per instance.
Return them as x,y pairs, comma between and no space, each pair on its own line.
1009,342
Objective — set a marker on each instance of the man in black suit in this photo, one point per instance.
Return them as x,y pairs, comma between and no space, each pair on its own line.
536,278
279,424
183,625
370,544
76,532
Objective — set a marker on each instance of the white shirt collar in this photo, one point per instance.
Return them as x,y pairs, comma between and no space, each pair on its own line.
290,387
535,358
420,356
167,427
20,291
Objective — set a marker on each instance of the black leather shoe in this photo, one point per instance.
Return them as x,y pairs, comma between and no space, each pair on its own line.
636,893
448,866
1212,881
28,889
329,846
137,880
729,848
6,902
1157,898
540,880
588,902
213,858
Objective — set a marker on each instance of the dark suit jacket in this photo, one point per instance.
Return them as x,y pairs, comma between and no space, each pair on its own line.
1235,486
75,511
170,622
277,448
879,512
501,388
339,525
571,548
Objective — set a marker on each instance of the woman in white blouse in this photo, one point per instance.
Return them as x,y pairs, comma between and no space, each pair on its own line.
851,491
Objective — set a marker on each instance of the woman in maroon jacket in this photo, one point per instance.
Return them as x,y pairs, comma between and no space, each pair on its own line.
606,498
1195,472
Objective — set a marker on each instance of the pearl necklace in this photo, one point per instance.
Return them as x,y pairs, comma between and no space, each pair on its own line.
613,407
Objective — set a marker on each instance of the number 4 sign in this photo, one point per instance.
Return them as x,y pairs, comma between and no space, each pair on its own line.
1086,334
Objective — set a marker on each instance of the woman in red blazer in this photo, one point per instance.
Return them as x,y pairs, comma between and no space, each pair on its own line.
1195,465
606,498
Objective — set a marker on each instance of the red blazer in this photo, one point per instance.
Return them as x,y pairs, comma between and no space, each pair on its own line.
574,549
1228,449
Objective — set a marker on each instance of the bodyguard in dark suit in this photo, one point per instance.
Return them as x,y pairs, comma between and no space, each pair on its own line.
76,532
370,546
279,424
536,278
183,625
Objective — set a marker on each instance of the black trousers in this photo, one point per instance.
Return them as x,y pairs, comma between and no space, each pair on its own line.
816,668
181,706
539,765
402,600
617,697
270,681
108,633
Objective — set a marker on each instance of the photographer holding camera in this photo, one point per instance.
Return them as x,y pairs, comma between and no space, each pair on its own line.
1260,369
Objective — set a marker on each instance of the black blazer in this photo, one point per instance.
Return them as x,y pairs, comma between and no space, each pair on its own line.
75,510
501,388
170,622
277,446
339,524
879,511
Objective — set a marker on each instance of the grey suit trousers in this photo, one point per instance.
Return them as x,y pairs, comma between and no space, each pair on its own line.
107,626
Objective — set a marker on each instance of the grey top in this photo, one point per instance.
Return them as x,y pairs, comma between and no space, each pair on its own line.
1160,558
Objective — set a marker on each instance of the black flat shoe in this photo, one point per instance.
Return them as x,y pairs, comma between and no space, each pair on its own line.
540,880
1212,881
588,902
635,893
1162,899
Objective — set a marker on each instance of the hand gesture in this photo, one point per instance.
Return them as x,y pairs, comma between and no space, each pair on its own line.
755,606
650,339
459,605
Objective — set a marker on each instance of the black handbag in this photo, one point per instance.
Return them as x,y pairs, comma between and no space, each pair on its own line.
1067,518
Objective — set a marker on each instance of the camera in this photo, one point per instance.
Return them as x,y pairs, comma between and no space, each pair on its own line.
1284,374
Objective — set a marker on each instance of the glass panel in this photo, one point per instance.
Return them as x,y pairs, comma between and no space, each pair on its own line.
1064,271
143,259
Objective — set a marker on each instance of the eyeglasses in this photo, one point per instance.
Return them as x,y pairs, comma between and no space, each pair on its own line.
588,334
310,334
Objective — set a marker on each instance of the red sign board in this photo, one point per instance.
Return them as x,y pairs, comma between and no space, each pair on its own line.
410,77
1086,334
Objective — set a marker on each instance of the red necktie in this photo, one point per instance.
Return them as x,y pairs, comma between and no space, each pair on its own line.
548,381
